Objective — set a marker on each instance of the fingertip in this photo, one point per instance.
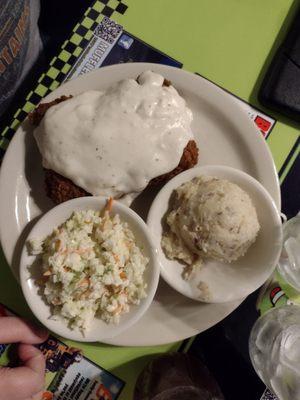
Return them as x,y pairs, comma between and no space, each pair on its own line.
32,357
14,330
26,380
27,351
38,396
39,331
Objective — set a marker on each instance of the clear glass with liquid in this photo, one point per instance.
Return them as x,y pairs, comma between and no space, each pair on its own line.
289,262
274,348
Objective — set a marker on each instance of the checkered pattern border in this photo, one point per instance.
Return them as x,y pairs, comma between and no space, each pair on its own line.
61,65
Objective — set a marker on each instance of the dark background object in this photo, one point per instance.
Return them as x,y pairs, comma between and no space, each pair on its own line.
224,350
280,89
176,376
57,19
290,193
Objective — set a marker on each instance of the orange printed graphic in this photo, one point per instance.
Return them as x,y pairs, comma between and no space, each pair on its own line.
14,44
58,355
103,393
47,395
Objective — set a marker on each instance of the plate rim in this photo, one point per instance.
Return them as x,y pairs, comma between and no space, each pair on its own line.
129,69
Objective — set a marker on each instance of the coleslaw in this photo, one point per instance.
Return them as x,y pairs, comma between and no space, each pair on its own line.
91,266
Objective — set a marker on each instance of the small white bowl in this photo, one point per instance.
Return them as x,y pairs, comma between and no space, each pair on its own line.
223,282
99,330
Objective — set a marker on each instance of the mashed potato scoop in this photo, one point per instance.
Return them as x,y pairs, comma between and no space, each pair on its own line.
211,218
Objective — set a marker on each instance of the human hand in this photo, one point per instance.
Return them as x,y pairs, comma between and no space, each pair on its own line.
25,382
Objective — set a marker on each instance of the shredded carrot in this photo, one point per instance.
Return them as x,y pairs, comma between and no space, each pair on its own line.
82,251
84,282
118,310
57,244
85,294
116,257
128,244
123,275
109,204
56,302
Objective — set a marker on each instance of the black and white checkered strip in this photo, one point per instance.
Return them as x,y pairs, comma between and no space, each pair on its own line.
108,9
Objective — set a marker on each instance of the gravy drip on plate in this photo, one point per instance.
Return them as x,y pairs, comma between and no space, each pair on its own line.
114,142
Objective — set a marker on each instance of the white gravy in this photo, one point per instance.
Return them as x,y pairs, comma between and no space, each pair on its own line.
114,142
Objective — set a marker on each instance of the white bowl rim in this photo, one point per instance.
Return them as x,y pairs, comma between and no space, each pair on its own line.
211,170
62,329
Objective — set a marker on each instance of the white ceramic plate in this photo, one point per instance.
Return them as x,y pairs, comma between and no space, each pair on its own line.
99,330
224,134
215,281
